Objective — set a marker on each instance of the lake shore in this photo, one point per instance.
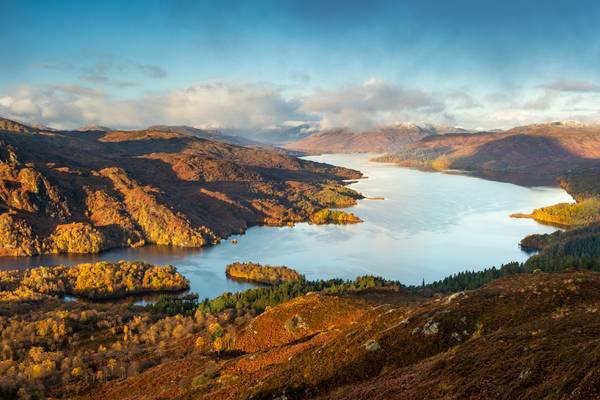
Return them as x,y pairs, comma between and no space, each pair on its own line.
430,225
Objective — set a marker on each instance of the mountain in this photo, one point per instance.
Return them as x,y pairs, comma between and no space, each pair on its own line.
541,152
63,191
209,134
381,140
564,152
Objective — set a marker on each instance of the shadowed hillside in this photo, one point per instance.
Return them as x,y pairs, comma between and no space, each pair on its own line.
543,151
87,191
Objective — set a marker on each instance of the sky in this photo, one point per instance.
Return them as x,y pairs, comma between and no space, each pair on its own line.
253,65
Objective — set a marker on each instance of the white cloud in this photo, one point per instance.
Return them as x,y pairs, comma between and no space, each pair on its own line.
226,104
541,102
250,107
374,102
565,85
213,104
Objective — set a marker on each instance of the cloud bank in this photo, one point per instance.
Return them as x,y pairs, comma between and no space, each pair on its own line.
215,105
374,102
256,106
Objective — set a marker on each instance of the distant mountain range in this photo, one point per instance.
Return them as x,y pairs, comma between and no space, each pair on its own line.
381,140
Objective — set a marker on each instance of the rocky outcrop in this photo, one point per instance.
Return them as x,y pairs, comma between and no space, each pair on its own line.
159,224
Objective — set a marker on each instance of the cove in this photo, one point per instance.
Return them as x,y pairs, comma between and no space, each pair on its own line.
428,225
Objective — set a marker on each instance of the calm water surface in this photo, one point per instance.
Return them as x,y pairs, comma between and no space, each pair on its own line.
430,225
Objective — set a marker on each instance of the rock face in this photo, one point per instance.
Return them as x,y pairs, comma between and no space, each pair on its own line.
84,192
381,140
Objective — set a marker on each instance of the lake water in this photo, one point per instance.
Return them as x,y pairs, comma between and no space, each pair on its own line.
430,225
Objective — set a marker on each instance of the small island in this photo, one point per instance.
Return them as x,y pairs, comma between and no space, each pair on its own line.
327,216
266,274
93,281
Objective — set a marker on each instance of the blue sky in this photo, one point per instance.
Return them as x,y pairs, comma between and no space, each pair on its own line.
259,64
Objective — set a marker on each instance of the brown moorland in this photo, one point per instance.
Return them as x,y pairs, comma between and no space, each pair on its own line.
527,336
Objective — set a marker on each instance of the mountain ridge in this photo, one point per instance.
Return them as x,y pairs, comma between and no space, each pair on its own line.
548,150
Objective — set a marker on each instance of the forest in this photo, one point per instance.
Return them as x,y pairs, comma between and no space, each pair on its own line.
582,213
102,280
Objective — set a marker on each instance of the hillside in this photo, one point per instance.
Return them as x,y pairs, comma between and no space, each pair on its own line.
85,192
524,330
527,336
382,140
542,151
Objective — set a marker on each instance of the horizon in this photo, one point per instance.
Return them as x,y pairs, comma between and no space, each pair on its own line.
312,129
249,67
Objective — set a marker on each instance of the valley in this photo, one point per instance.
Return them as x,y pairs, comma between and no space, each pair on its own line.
299,200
